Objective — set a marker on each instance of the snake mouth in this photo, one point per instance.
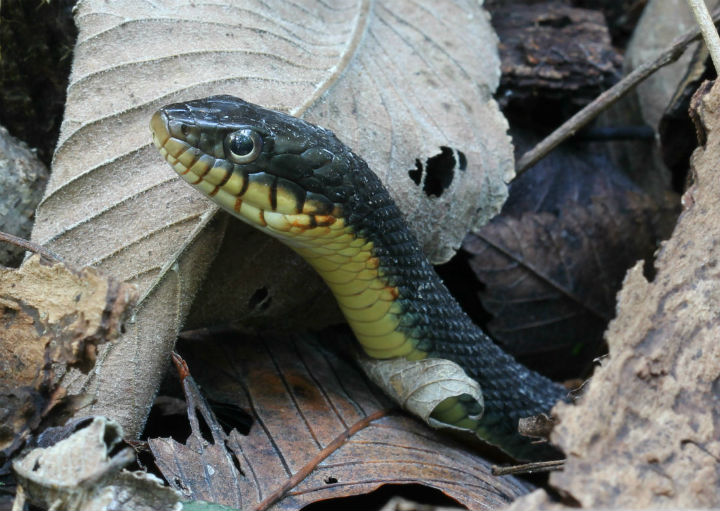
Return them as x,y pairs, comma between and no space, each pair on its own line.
272,203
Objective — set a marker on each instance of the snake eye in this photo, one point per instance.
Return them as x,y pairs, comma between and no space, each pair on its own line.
243,146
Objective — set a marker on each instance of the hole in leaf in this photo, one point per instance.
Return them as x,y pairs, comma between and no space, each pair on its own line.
462,160
234,458
180,484
230,417
416,173
439,172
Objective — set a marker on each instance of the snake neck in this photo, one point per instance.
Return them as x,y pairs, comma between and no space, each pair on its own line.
397,305
382,282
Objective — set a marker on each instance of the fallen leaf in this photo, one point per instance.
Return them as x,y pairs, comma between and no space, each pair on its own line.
647,431
52,318
320,431
83,473
419,386
553,261
660,23
400,82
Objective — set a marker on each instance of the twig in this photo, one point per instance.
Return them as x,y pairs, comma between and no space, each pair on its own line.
529,468
607,98
29,245
707,27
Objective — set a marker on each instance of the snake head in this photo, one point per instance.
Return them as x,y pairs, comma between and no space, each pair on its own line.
255,162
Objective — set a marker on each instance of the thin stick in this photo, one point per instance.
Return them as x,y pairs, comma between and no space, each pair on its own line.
707,27
29,245
529,468
607,98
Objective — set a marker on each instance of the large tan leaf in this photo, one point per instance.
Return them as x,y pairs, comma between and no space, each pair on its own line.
396,80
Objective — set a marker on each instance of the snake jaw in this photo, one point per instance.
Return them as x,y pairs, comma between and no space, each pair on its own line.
271,203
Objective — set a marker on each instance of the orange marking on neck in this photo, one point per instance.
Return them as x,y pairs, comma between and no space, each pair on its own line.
394,292
325,220
215,190
299,224
187,169
238,205
372,263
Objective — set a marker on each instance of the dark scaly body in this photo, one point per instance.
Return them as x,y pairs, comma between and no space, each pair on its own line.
342,204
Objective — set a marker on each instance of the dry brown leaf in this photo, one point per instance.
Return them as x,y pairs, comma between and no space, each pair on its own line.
83,473
552,262
551,279
647,432
320,431
395,80
661,22
52,318
419,386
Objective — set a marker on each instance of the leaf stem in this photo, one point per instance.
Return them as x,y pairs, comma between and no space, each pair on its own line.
529,468
29,245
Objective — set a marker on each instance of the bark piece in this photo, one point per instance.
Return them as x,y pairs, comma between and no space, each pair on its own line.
553,51
647,432
621,16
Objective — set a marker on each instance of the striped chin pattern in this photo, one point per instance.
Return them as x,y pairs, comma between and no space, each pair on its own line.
271,203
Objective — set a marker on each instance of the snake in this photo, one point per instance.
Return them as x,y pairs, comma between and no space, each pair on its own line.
300,184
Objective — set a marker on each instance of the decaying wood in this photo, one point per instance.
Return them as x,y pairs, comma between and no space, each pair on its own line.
647,432
550,50
609,97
